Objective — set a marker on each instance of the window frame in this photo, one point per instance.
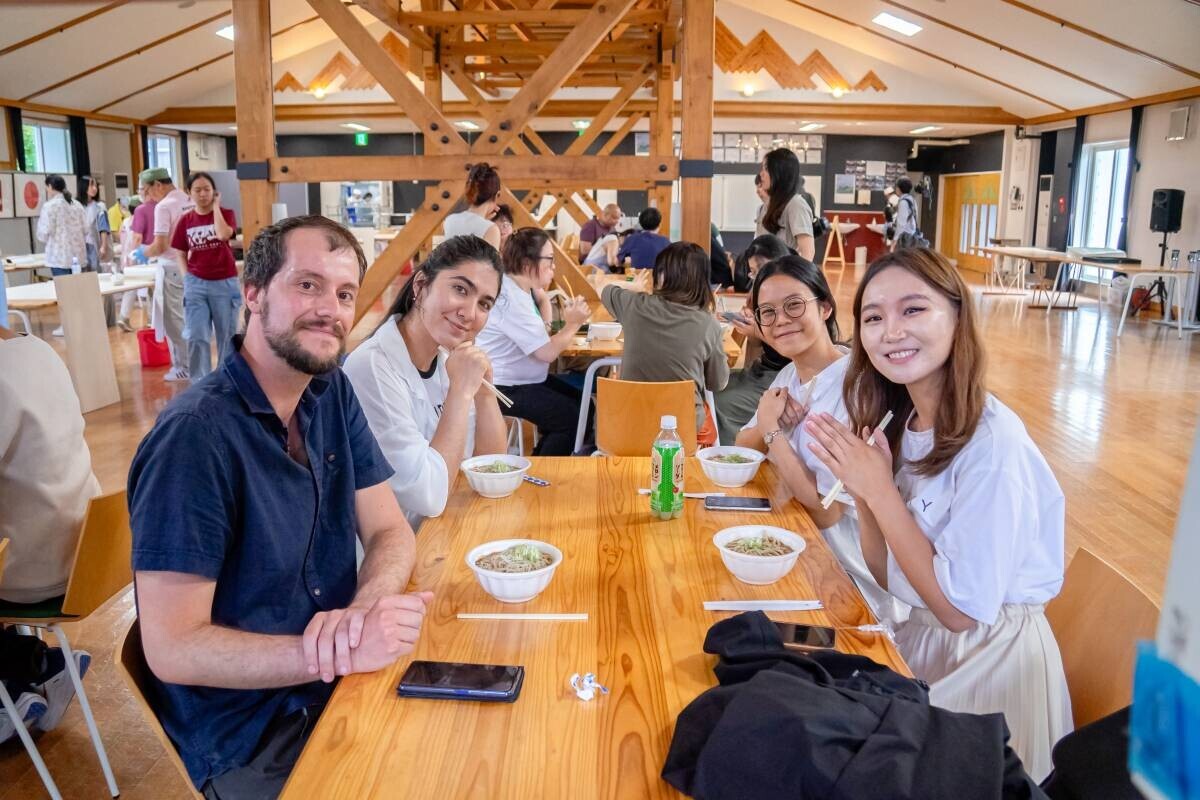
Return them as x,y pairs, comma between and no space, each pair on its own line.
1085,208
174,167
38,124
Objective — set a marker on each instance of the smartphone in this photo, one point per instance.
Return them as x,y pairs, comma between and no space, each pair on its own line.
456,681
737,504
806,637
730,316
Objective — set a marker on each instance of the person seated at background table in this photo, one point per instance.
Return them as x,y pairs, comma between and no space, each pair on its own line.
518,341
597,228
796,316
246,501
483,187
671,333
786,213
420,378
46,481
959,514
603,255
642,247
504,221
737,402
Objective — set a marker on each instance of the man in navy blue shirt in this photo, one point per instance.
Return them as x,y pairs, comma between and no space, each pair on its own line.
246,501
644,246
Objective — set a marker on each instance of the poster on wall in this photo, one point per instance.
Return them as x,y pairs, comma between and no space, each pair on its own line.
6,196
812,156
843,189
27,194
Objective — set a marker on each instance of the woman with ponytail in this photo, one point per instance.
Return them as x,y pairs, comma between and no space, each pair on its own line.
420,378
483,187
62,227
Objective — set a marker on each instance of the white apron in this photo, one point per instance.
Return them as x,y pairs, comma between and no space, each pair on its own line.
1013,667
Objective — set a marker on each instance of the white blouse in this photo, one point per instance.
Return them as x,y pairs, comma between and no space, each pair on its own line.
466,223
996,517
514,331
403,410
62,226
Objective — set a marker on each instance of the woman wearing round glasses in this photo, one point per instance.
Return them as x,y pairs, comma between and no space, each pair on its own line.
796,315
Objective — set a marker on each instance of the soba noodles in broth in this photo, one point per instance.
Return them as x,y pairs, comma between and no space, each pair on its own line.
518,558
765,545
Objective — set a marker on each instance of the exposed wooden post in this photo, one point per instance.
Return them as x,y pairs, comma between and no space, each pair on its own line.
662,131
255,113
699,32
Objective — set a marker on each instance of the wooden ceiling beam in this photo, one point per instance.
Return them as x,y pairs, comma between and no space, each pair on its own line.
610,110
61,27
453,70
1100,37
553,16
544,47
75,112
387,11
1154,99
907,46
516,171
529,67
619,135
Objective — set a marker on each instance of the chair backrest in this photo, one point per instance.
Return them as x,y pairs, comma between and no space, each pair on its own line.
102,557
628,414
571,245
1097,619
131,662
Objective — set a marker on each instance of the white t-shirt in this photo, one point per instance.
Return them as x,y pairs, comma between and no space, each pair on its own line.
996,517
166,215
596,257
826,399
46,475
795,221
514,330
403,409
466,223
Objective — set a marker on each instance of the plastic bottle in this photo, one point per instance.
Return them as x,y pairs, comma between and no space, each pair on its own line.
75,265
666,472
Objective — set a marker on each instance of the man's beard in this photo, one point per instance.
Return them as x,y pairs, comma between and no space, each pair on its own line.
286,345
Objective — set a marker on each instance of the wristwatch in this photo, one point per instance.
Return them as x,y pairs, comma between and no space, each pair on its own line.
770,437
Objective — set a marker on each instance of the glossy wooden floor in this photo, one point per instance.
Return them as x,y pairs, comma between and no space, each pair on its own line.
1114,418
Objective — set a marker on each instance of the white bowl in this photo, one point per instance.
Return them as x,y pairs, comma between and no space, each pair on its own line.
495,484
758,570
514,587
603,331
729,475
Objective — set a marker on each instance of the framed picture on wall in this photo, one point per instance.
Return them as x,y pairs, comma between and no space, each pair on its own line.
28,193
6,196
812,156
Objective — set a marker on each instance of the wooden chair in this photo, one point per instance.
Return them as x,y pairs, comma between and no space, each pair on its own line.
571,246
100,570
131,663
1097,619
628,414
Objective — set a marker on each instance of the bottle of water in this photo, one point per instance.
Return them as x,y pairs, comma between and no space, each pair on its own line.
666,472
75,265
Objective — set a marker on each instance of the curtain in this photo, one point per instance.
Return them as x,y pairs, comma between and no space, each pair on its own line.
183,154
80,156
1135,132
1076,176
18,136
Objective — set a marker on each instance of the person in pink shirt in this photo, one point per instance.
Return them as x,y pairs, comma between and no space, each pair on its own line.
211,294
172,202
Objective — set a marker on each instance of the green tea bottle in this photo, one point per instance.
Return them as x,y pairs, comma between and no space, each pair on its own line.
666,472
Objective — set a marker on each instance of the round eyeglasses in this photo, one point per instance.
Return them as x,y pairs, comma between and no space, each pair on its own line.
793,307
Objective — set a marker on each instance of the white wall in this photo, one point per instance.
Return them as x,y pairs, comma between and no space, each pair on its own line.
108,151
213,146
1019,170
1165,165
1111,127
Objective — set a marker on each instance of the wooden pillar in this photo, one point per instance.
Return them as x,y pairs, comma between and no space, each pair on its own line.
662,132
136,162
255,113
699,31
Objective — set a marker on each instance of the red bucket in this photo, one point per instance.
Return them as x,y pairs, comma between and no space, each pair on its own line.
154,353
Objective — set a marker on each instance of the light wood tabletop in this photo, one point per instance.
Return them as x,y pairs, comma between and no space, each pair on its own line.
642,583
581,347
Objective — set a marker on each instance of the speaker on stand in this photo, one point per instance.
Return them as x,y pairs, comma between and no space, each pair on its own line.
1166,217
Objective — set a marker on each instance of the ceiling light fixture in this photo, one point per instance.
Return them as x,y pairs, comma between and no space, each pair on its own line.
466,125
812,126
226,32
581,124
748,90
894,23
838,91
355,126
319,93
926,129
233,127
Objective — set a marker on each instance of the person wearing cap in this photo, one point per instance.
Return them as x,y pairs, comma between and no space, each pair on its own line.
172,202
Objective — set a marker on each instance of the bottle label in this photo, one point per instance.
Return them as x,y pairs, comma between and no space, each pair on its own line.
666,478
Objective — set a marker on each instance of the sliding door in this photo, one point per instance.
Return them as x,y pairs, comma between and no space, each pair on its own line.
970,213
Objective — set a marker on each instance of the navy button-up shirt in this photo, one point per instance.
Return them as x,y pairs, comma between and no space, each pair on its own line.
213,492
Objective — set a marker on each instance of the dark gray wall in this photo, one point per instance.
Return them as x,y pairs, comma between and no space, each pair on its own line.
1064,149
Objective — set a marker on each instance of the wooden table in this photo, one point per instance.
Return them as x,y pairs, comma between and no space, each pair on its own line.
641,581
581,347
43,295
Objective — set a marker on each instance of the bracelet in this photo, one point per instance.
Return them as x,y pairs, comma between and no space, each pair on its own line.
770,437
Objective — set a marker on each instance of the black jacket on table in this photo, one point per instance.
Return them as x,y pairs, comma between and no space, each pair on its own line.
783,724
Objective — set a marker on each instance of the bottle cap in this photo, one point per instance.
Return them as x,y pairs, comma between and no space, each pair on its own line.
668,422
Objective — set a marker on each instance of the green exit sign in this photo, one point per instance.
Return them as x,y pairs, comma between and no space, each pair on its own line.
360,139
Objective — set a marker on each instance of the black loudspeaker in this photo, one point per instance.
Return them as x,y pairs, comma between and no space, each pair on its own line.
1166,210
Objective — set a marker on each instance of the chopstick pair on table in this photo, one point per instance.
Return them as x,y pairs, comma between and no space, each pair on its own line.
501,396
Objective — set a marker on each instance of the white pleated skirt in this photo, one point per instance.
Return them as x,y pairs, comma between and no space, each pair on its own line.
1013,667
842,538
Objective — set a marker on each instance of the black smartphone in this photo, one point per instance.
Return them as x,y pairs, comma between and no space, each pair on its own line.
456,681
730,316
737,504
806,637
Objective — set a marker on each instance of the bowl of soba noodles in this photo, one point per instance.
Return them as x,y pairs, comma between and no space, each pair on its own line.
728,465
514,570
758,554
495,476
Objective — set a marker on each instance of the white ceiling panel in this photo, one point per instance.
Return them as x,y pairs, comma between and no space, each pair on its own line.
24,21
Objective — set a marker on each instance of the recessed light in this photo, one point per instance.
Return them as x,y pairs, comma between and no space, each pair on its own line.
748,90
838,91
319,93
894,23
355,126
812,126
581,124
926,129
466,125
226,32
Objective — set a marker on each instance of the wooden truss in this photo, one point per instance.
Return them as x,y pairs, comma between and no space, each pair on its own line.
531,48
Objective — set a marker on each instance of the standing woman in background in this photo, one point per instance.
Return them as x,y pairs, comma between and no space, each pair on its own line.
97,236
483,187
62,228
786,213
959,514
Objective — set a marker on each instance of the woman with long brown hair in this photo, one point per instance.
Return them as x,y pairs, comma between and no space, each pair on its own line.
785,213
483,189
960,516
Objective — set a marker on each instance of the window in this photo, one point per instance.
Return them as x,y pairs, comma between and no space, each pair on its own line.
47,147
1101,191
164,150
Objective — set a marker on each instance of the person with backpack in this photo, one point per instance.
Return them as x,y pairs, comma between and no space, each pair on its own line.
906,232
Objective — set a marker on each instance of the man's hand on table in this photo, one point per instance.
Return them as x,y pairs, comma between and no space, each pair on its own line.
364,638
